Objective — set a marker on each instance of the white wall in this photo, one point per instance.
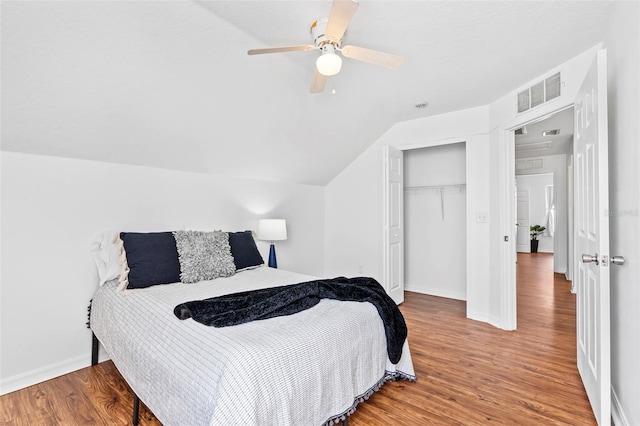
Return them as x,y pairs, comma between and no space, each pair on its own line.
354,200
536,184
435,224
51,207
503,111
623,51
479,239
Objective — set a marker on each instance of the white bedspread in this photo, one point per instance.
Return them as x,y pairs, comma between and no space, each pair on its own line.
302,369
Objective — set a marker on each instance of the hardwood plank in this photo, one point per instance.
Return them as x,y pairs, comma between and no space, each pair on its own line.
469,373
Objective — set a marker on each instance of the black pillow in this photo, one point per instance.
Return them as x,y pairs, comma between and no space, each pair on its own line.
152,258
244,251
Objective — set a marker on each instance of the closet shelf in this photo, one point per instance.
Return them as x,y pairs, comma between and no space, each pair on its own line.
439,188
457,185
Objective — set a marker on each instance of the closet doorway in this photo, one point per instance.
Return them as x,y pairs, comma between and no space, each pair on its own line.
435,220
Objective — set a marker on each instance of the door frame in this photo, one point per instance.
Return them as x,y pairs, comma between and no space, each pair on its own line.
386,260
508,215
517,209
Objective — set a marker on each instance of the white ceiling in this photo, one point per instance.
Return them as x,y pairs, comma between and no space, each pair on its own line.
169,84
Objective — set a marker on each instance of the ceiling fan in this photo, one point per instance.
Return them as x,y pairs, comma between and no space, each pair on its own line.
327,36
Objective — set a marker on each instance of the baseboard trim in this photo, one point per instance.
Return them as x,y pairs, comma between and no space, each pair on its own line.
48,372
489,319
477,316
42,374
617,413
437,293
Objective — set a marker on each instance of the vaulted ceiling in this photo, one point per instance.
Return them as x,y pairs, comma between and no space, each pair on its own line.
169,84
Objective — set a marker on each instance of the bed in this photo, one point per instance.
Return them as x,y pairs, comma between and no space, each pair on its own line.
309,368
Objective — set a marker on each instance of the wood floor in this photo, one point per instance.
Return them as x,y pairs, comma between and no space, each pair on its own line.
469,373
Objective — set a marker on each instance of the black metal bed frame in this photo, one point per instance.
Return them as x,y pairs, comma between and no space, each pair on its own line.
95,347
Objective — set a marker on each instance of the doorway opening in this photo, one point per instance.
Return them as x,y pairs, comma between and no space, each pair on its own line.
443,185
536,213
544,186
435,206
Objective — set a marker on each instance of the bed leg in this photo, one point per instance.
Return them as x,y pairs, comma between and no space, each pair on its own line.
345,422
95,345
136,410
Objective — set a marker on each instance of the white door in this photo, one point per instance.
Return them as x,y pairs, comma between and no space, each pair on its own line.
393,261
592,238
523,244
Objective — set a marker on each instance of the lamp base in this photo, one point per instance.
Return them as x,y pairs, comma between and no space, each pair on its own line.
272,257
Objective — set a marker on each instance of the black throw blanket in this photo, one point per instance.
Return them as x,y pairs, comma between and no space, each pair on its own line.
239,308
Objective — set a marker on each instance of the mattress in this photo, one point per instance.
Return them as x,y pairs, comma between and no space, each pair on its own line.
310,368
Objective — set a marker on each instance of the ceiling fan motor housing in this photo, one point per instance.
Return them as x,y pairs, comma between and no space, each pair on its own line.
318,29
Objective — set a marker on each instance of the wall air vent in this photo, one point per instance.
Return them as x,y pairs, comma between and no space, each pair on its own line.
529,163
541,92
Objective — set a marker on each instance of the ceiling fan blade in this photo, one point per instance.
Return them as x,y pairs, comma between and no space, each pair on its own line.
281,49
373,56
341,13
318,82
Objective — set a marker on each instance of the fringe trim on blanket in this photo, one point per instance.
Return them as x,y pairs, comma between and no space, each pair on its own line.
388,375
89,313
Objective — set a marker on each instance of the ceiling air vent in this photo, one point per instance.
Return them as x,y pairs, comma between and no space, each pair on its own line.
539,93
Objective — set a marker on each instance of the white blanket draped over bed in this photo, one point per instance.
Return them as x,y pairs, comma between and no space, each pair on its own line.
302,369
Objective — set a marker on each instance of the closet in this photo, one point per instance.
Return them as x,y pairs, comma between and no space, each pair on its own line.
435,211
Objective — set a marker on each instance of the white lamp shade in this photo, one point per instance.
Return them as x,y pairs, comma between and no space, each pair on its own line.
272,229
329,63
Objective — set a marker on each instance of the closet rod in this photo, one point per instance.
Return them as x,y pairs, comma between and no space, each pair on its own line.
458,185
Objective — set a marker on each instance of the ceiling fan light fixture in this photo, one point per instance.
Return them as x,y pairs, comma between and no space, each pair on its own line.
327,35
329,63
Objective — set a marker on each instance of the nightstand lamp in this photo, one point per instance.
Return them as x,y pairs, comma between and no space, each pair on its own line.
272,230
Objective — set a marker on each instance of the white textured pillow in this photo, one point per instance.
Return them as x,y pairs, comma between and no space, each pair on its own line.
105,255
203,255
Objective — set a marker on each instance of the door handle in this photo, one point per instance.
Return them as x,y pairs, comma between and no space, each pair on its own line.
587,258
617,260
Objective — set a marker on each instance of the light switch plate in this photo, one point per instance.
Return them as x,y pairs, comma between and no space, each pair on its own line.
482,217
